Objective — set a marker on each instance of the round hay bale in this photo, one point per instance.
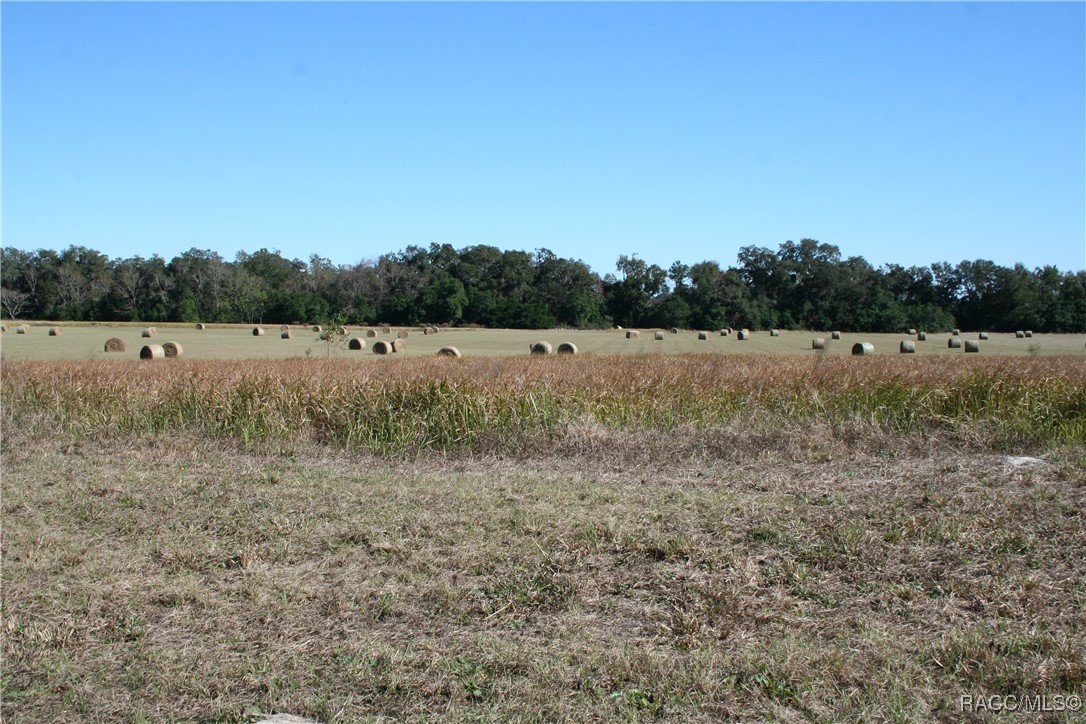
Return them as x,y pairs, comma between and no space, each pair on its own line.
674,330
921,336
540,347
284,328
449,352
200,326
956,331
356,343
428,331
341,331
567,348
743,334
371,333
286,334
386,329
1020,334
818,343
725,332
659,336
149,332
774,333
907,346
22,329
972,345
382,347
633,334
1029,333
953,343
114,344
703,335
317,328
912,331
398,345
835,335
172,349
54,331
982,335
618,327
861,348
402,334
258,331
152,351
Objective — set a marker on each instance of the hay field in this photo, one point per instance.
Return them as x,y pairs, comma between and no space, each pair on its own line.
602,537
85,342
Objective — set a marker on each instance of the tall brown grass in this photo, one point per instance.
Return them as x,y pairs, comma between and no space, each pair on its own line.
425,404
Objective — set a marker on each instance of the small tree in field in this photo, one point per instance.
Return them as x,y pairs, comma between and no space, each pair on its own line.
333,333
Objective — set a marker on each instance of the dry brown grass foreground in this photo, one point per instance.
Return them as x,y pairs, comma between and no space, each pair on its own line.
737,568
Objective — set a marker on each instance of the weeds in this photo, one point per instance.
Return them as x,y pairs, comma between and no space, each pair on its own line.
342,587
587,539
499,405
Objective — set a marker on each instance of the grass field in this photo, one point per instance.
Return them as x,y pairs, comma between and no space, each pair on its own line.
696,537
236,342
177,580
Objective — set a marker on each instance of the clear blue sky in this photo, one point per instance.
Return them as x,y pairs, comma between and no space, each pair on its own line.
904,133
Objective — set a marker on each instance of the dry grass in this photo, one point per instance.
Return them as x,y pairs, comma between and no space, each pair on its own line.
554,538
150,580
503,405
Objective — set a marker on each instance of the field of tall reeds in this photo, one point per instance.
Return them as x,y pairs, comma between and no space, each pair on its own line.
511,404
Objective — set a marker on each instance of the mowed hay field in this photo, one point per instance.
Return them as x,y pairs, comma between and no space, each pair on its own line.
86,342
602,537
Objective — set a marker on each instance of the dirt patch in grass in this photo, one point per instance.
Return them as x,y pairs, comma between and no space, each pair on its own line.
158,579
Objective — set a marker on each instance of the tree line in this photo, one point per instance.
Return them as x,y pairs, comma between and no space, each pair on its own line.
804,285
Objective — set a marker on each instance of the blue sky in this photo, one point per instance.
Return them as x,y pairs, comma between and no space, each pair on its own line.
904,133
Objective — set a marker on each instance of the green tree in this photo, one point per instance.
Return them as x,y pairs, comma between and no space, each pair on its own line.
201,274
187,310
671,310
569,289
443,299
703,295
629,299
